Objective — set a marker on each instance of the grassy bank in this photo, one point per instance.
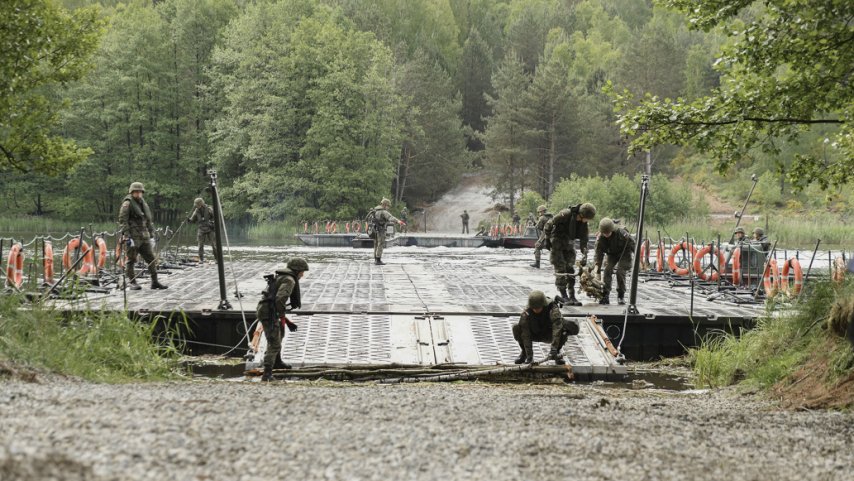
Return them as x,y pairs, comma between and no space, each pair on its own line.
101,347
803,342
791,232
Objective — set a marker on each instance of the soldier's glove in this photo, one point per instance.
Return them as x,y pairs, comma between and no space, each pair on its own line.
287,323
402,223
538,245
129,242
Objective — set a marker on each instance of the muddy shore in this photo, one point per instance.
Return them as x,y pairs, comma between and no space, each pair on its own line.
224,430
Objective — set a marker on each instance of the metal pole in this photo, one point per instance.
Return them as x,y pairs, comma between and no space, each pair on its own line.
809,268
740,214
689,255
633,295
220,266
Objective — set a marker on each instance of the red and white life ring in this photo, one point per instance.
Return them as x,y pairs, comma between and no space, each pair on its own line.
15,267
798,274
47,263
698,263
671,260
88,266
771,279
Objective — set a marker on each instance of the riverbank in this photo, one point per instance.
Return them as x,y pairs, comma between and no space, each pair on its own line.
60,428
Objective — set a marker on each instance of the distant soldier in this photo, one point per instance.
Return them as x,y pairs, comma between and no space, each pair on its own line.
282,291
137,227
542,321
465,217
404,216
760,237
516,219
616,247
738,235
204,216
542,218
379,218
531,220
562,231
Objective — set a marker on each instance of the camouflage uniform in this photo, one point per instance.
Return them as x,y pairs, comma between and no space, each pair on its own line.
465,217
562,231
382,218
547,326
760,237
617,251
136,224
404,216
268,313
541,225
206,234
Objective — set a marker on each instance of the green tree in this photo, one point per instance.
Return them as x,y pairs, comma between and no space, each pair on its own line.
42,46
785,70
475,83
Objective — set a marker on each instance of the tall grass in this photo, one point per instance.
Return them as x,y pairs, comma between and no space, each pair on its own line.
790,232
778,345
274,231
101,347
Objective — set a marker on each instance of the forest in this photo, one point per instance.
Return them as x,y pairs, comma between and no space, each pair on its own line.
312,109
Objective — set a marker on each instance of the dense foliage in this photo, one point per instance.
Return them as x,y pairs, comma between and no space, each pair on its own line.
314,109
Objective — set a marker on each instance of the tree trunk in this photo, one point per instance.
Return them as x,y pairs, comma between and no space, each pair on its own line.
552,156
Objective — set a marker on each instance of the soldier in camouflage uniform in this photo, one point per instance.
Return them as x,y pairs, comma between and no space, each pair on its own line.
561,232
542,218
465,218
542,321
616,247
380,219
404,216
137,227
762,239
204,215
271,311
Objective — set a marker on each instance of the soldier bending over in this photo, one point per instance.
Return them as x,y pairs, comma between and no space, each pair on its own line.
616,247
542,321
562,231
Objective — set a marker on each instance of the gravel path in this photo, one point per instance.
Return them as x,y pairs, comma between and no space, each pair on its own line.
218,430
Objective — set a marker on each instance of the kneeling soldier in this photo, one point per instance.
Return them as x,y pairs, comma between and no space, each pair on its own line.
542,321
616,247
283,289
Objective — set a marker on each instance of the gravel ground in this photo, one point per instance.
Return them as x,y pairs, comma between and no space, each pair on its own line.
225,430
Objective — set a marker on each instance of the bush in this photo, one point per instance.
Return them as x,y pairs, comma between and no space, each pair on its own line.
528,204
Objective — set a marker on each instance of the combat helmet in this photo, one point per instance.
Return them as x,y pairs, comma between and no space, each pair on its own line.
136,186
385,202
537,299
297,264
587,210
541,209
199,203
739,230
759,231
606,225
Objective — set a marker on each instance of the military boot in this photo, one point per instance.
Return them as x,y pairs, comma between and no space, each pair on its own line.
605,299
268,374
564,297
557,357
378,261
536,265
522,358
157,285
279,364
620,300
132,285
572,301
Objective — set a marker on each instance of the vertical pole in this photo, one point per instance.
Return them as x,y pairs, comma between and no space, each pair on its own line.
633,294
814,252
220,266
738,220
689,255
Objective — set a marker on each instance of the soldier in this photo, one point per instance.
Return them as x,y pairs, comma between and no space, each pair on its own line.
542,321
616,246
465,217
282,290
516,220
542,218
380,217
760,237
137,227
404,216
204,215
531,220
738,235
561,232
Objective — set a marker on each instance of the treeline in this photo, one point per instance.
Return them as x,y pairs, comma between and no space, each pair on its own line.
318,108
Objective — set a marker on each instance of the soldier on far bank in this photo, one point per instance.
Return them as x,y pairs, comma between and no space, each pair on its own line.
271,311
380,218
531,220
562,231
465,217
542,218
516,220
204,215
404,216
542,321
760,237
137,227
616,247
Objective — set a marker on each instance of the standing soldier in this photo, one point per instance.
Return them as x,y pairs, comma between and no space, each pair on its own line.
282,290
760,237
204,215
516,220
531,220
379,219
542,218
561,231
137,227
542,322
616,247
465,217
404,216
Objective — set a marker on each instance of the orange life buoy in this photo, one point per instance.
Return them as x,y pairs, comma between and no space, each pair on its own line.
671,259
644,255
659,258
798,274
47,263
15,267
736,266
88,266
102,252
120,254
838,274
771,279
698,263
